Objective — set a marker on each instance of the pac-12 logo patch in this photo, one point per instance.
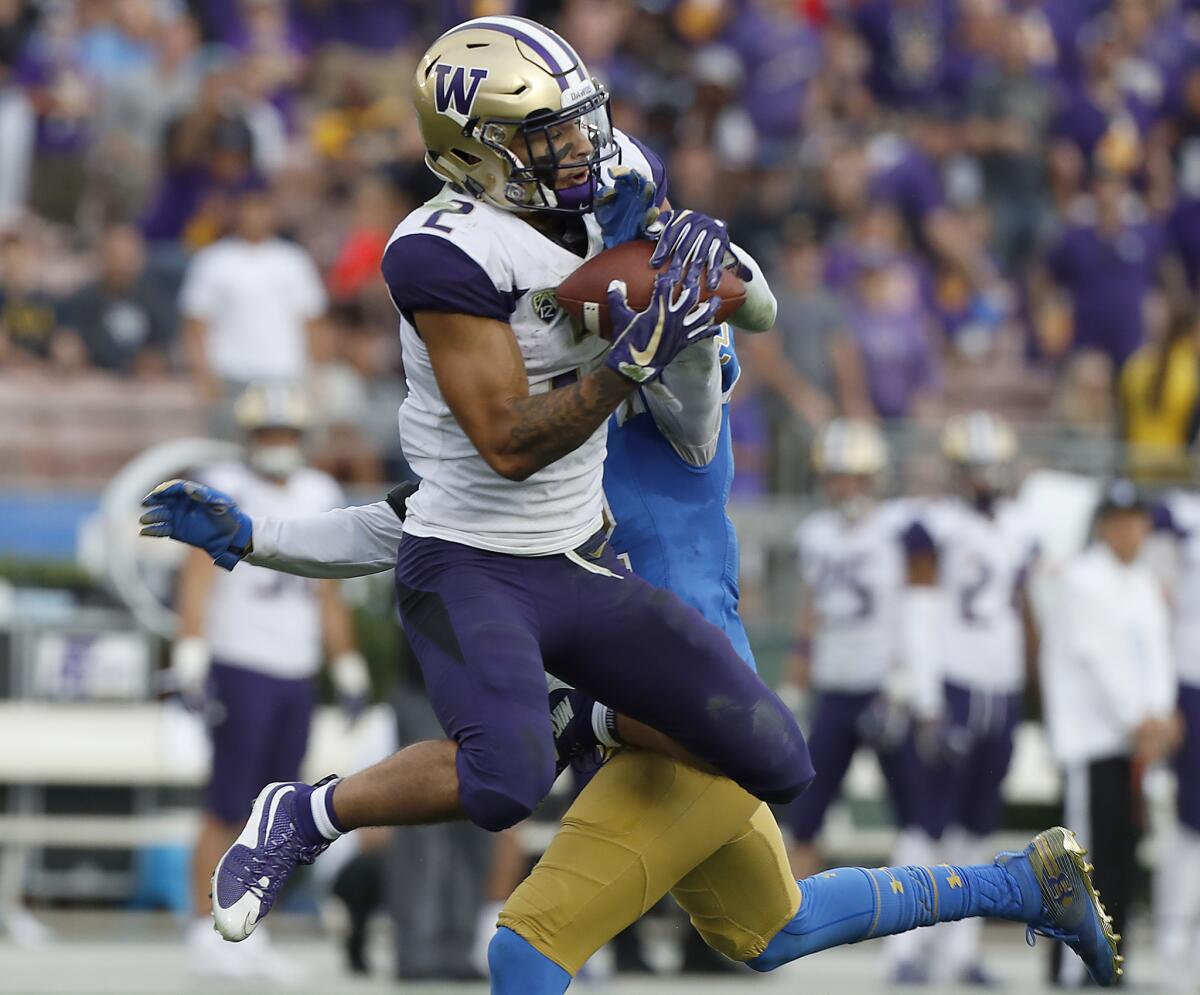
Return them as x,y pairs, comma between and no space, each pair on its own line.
545,305
453,89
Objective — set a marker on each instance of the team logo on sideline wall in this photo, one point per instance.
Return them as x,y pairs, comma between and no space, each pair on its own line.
545,305
452,88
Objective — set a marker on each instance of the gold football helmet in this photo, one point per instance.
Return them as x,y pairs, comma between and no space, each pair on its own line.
271,404
980,448
510,114
850,447
979,438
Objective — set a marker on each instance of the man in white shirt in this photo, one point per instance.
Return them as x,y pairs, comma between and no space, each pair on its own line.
248,647
250,302
1109,692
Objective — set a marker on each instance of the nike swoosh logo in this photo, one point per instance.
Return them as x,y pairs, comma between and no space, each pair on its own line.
643,357
270,821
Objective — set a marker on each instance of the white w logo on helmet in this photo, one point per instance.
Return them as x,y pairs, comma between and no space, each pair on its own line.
452,88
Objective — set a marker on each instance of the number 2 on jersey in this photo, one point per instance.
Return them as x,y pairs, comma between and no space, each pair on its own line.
460,207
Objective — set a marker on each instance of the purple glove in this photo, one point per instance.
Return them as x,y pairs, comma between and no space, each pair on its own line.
573,715
645,342
687,236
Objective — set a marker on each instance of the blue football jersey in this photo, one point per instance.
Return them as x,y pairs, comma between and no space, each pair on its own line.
670,517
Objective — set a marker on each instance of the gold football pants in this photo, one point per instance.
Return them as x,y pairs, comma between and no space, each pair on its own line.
646,825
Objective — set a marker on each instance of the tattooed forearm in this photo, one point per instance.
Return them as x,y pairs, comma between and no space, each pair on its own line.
548,426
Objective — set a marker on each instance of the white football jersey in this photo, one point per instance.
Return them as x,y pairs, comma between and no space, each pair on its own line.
460,255
854,572
982,563
255,617
1182,518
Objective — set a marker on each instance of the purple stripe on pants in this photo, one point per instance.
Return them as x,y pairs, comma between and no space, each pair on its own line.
486,627
262,737
1187,760
833,739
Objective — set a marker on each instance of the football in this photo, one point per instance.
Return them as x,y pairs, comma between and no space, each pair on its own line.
584,294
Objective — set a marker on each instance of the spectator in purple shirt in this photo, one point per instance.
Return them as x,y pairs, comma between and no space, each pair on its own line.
912,42
891,325
780,55
1107,263
64,99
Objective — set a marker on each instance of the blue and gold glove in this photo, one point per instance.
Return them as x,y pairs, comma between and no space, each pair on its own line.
626,208
645,342
688,236
199,516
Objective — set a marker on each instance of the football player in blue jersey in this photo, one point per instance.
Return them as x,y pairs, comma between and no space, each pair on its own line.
668,475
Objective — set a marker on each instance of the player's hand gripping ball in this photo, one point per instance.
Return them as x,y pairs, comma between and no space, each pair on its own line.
200,516
684,236
644,342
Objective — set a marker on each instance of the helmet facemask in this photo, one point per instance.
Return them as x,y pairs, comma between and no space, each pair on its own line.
545,145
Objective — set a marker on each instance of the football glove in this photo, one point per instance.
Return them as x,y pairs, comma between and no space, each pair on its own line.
940,743
352,682
626,208
687,236
883,724
187,675
200,516
574,717
645,342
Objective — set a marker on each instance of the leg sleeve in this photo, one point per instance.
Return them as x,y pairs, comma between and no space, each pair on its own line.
647,654
744,893
641,824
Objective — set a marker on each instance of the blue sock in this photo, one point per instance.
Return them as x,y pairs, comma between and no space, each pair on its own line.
518,969
850,904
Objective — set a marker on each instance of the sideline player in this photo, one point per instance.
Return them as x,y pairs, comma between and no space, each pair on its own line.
972,554
852,565
248,647
514,950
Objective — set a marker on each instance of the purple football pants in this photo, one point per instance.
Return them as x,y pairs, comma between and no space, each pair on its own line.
1187,760
833,740
965,792
485,627
262,735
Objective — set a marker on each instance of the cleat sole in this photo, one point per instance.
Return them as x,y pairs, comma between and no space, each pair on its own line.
1076,852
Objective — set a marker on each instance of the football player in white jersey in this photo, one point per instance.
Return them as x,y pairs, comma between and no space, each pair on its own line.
504,571
969,558
248,646
852,564
506,401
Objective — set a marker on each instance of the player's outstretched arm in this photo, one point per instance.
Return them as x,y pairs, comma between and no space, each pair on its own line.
344,542
481,373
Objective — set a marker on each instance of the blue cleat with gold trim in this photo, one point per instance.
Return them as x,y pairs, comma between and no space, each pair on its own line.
1061,902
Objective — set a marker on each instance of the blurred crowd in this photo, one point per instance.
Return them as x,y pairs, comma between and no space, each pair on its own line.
993,198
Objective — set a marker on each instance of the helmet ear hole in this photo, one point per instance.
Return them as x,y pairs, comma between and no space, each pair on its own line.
466,157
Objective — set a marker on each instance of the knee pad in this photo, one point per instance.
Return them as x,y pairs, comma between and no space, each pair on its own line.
499,799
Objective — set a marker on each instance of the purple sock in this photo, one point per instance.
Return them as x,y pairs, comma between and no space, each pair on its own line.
313,814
